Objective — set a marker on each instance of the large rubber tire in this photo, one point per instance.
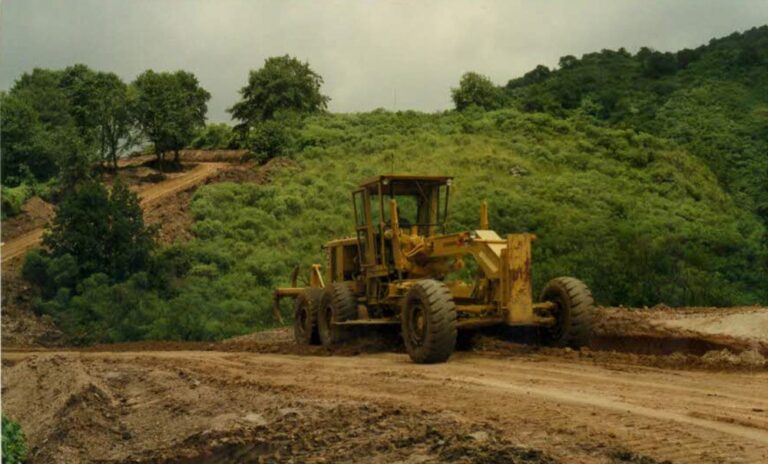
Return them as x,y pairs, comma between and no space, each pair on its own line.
574,312
338,305
428,321
305,316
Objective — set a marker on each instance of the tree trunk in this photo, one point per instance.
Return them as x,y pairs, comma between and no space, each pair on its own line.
176,156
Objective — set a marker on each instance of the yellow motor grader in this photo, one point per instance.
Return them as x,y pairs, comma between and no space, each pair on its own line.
400,268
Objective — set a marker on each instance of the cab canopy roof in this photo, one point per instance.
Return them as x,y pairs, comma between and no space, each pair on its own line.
403,183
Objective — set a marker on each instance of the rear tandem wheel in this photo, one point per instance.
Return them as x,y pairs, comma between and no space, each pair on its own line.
305,316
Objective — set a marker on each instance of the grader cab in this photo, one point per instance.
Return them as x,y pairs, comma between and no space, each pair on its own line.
401,269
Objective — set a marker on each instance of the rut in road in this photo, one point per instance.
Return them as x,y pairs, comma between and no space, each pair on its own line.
16,247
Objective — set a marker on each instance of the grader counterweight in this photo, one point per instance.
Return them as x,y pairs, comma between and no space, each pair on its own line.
400,269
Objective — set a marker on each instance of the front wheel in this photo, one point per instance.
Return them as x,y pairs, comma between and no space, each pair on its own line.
428,320
573,312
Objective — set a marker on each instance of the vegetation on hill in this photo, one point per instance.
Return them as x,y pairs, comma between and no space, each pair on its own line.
644,175
14,443
640,220
711,101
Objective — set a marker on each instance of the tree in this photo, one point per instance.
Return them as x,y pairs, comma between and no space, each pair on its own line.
476,89
103,231
169,108
60,122
539,74
282,84
39,133
112,115
568,62
25,146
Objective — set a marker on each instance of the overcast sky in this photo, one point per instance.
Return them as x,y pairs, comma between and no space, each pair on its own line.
390,54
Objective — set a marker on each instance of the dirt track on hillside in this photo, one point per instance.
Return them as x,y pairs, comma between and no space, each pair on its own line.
150,194
211,406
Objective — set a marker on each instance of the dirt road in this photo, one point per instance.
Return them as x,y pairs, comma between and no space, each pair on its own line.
210,406
17,246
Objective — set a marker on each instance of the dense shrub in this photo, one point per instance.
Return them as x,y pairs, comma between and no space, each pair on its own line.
268,139
14,442
13,199
216,137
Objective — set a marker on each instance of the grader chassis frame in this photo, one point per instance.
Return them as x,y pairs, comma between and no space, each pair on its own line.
400,269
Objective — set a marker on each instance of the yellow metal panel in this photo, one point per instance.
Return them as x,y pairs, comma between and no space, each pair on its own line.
518,277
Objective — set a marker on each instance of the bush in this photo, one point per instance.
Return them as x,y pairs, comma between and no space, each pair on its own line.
14,442
269,139
216,137
14,199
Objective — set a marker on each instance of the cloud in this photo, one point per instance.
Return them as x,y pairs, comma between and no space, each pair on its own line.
392,54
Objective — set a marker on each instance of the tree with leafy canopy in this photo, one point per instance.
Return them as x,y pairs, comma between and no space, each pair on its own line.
61,122
103,231
39,134
283,84
99,106
476,90
169,108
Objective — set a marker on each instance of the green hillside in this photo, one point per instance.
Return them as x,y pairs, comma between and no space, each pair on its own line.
712,101
641,221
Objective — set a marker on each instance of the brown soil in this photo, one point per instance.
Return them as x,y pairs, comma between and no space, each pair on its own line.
34,215
261,398
21,327
171,215
214,406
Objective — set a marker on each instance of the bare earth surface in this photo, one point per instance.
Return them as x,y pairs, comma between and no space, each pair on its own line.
259,398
